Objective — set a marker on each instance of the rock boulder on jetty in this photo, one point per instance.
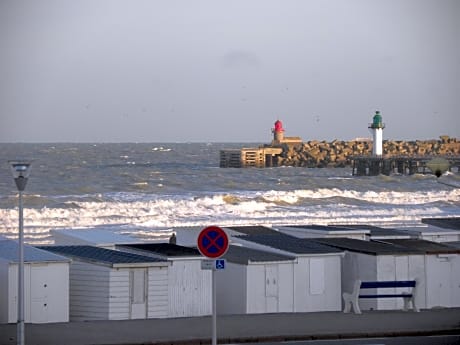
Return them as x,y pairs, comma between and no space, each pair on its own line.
320,154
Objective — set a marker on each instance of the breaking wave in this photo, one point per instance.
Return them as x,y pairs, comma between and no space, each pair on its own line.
146,213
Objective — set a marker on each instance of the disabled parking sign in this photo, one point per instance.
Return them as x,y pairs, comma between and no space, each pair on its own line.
220,264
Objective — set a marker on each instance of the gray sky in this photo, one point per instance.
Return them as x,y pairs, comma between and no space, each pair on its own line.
222,71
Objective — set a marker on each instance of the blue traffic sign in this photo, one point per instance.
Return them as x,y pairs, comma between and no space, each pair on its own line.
220,264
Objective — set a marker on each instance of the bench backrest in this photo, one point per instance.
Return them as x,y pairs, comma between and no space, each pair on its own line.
388,284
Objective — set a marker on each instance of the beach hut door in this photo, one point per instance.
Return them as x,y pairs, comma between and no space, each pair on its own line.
271,288
38,293
138,293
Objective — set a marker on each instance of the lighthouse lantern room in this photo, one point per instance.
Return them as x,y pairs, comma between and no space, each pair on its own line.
278,131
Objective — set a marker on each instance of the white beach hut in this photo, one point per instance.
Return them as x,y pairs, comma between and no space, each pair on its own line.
255,281
376,261
189,287
433,265
112,285
187,235
442,271
317,274
46,284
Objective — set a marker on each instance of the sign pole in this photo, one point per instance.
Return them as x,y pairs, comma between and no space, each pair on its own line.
214,308
213,243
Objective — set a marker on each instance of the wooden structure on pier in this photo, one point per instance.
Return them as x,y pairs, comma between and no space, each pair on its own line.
260,157
405,165
264,156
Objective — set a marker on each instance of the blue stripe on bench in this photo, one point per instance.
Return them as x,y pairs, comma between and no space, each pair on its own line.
386,295
351,300
388,284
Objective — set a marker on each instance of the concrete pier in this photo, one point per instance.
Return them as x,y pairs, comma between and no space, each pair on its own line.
404,165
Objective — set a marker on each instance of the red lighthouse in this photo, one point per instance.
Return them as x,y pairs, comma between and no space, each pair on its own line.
278,131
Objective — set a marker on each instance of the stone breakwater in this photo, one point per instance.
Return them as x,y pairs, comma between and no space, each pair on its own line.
321,154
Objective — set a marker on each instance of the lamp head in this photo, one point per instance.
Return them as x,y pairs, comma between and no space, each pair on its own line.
438,166
21,171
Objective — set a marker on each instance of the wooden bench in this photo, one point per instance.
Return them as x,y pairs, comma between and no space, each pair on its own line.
351,299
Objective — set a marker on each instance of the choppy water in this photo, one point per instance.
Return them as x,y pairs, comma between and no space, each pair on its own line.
147,189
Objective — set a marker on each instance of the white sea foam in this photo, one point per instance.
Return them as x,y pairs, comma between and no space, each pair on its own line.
390,197
270,207
161,149
146,190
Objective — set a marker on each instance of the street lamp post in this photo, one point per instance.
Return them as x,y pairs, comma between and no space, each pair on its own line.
21,171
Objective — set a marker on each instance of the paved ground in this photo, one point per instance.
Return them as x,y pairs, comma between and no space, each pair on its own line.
239,328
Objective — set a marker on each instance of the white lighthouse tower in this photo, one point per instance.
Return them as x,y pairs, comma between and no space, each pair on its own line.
376,128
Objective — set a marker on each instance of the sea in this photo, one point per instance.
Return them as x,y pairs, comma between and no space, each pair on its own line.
149,189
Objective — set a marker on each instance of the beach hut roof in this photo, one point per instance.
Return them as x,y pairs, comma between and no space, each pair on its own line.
291,244
427,247
9,251
99,236
165,249
376,231
446,223
244,255
367,247
428,229
253,230
455,244
105,256
325,228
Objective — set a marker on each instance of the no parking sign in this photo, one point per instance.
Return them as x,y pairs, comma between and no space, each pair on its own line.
212,242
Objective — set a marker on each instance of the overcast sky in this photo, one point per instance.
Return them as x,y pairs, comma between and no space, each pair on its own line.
225,71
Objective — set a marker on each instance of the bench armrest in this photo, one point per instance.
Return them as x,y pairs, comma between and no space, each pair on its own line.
351,299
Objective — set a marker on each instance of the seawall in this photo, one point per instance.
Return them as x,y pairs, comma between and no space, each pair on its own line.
320,154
